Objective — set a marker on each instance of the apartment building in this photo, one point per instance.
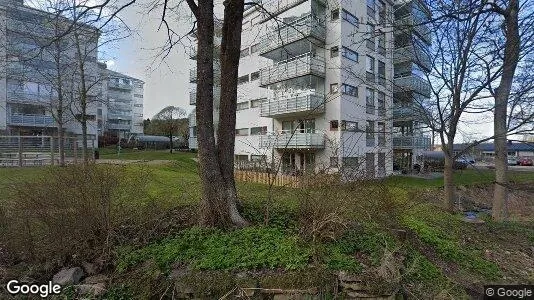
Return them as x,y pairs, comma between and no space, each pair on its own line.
121,112
318,81
29,64
412,64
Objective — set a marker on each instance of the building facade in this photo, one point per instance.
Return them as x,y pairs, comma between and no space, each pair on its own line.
121,112
38,62
316,87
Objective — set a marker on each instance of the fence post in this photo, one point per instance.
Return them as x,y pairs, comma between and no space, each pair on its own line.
20,151
75,150
52,150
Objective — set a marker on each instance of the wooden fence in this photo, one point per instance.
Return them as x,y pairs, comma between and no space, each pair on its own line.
267,178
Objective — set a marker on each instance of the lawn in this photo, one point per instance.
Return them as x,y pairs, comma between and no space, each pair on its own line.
302,235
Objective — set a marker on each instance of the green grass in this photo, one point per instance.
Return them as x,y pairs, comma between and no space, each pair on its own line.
130,154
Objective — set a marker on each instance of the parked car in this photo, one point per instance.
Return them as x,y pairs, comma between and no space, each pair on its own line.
513,160
526,161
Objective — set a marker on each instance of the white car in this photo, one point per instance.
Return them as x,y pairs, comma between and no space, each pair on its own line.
512,160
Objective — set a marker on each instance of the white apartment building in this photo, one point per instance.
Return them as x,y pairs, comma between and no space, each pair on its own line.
121,112
28,90
316,86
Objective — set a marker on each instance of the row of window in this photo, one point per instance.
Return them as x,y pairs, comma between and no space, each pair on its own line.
250,50
250,104
248,78
251,131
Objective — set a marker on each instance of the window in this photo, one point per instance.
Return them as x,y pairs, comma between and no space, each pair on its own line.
352,55
381,134
138,95
242,79
335,14
258,158
334,88
381,73
370,64
239,158
334,51
334,125
255,48
256,102
255,76
244,53
370,43
381,104
370,134
99,112
258,130
382,44
334,162
242,105
381,12
350,161
349,126
241,132
138,105
347,16
369,101
349,90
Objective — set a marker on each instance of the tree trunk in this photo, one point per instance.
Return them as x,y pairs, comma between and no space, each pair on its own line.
61,143
448,182
219,198
170,141
511,58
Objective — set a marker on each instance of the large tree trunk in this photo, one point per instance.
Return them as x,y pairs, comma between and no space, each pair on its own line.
448,182
61,143
218,206
511,58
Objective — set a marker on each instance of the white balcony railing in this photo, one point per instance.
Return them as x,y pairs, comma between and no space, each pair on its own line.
118,126
412,53
24,96
305,27
414,21
301,65
193,96
273,8
193,142
118,85
119,116
307,103
31,120
411,142
292,140
413,83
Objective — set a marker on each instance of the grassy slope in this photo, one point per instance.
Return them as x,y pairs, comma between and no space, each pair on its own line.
443,251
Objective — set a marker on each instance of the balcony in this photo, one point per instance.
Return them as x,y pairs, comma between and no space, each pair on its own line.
287,37
27,97
193,96
291,140
118,126
118,85
412,53
193,142
411,142
295,67
299,104
416,23
119,117
413,83
31,120
273,8
193,119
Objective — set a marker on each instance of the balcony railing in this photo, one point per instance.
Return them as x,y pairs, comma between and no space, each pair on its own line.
412,53
305,64
193,75
193,96
118,85
31,120
119,117
411,142
118,126
22,96
305,27
193,142
193,119
413,83
291,140
275,7
312,103
415,22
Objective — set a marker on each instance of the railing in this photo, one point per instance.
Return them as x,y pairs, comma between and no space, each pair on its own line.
31,120
299,103
193,95
21,96
295,67
413,83
308,26
119,116
193,142
193,118
415,22
118,85
292,140
412,53
275,7
411,142
118,126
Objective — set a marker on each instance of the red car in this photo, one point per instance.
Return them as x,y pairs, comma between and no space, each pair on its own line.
526,161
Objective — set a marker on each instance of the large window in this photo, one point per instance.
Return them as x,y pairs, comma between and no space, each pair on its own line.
381,134
381,104
352,55
369,101
349,126
242,105
241,132
258,130
242,79
347,16
349,90
370,64
370,134
256,102
381,73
